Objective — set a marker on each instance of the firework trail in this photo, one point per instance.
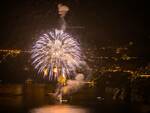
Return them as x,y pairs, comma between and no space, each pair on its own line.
62,11
56,53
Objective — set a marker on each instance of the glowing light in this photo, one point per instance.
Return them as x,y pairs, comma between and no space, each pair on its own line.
57,52
147,76
55,70
60,109
45,72
11,52
62,80
5,52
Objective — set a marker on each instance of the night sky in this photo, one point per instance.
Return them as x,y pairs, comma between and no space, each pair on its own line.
105,23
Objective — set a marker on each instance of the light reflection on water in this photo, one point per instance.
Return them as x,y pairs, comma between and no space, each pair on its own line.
33,97
60,109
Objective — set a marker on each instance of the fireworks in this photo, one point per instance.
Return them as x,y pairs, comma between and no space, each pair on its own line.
56,54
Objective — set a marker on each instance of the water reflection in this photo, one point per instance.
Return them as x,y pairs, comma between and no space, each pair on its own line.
11,101
34,95
60,109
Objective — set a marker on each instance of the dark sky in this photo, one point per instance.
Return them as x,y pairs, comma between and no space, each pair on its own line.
105,22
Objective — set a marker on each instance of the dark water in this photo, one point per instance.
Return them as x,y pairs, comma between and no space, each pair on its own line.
34,99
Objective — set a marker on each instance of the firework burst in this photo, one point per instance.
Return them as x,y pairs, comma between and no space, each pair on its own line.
56,53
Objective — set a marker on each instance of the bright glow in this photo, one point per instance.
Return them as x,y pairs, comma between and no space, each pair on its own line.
55,70
145,76
58,53
45,72
7,52
10,51
60,109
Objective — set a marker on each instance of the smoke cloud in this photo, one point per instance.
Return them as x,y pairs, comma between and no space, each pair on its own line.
73,85
62,11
